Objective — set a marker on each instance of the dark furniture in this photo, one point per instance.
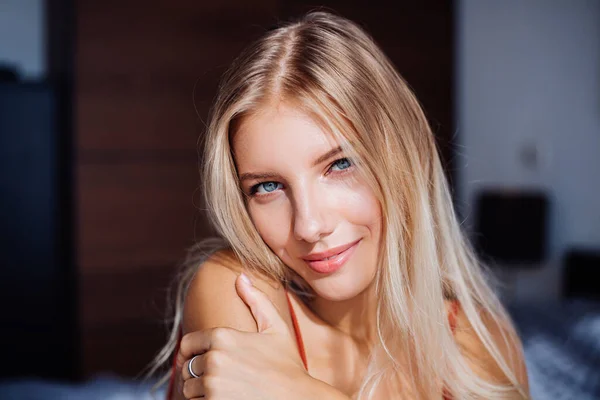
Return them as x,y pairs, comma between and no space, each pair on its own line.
581,274
38,335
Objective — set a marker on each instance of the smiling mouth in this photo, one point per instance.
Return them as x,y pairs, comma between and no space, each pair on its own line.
331,263
331,253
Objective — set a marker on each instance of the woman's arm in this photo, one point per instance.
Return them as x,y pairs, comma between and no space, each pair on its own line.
213,301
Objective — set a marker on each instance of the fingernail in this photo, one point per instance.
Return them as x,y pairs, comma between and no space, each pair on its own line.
246,279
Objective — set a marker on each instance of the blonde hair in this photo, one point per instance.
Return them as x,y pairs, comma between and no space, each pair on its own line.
330,68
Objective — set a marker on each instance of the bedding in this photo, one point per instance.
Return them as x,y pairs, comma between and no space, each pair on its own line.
561,342
104,387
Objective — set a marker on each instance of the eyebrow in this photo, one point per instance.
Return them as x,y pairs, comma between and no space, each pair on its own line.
327,156
260,176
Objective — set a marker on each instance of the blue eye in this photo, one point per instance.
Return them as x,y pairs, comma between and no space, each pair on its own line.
267,186
342,164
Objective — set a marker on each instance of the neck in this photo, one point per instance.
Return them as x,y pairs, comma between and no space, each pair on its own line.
355,317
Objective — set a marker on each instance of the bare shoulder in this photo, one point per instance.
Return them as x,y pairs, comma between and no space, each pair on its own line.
212,300
478,356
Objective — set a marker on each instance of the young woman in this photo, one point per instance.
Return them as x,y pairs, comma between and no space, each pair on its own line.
322,178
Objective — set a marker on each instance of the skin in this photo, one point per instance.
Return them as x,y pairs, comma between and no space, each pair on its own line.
298,207
235,364
312,204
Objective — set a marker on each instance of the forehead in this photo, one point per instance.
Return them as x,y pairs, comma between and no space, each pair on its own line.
280,134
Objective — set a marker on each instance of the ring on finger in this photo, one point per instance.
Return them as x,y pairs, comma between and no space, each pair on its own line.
190,369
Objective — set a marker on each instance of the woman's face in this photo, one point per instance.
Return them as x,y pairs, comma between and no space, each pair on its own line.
305,198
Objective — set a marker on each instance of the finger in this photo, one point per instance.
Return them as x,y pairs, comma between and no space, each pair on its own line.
194,388
264,312
196,364
200,342
192,344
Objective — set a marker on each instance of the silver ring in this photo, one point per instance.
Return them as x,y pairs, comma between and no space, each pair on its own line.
190,370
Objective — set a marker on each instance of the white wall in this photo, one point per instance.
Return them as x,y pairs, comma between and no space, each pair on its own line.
528,77
22,37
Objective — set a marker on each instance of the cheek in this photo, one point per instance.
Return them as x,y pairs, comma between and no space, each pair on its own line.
360,207
363,213
272,223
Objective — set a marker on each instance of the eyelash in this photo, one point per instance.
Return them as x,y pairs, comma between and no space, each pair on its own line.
254,188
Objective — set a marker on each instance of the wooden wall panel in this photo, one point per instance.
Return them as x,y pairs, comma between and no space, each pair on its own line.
140,64
139,119
136,214
122,318
107,296
125,348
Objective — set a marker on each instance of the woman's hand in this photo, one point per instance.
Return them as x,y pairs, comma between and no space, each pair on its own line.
234,365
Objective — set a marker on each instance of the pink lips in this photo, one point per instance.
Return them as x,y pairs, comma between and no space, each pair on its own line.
331,260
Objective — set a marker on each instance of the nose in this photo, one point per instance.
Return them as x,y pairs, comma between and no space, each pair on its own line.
311,217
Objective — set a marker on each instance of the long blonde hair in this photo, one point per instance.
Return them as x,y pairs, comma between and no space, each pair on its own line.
330,68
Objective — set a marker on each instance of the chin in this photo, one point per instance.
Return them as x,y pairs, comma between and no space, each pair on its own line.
332,296
338,289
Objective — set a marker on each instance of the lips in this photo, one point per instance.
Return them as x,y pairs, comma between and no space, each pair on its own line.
331,260
329,253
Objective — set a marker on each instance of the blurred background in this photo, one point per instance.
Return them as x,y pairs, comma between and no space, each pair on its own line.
101,105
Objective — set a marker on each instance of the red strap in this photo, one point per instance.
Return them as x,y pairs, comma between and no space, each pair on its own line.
174,367
297,331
